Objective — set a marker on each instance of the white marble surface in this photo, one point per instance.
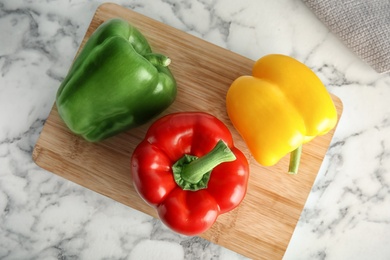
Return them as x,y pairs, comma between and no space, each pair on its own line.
43,216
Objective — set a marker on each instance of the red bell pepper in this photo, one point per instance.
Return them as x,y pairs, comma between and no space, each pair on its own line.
189,170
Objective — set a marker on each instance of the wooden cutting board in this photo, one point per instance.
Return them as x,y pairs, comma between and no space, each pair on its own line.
261,227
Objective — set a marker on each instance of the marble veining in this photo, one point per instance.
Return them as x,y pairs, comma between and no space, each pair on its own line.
42,216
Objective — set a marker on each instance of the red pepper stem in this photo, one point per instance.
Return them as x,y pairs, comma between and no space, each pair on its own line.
295,158
194,173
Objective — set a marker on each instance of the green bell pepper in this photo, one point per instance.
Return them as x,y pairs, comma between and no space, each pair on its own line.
115,83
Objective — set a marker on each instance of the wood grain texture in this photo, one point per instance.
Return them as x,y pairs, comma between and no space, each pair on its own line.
261,227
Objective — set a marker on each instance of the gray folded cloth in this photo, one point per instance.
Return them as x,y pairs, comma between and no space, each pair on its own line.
363,25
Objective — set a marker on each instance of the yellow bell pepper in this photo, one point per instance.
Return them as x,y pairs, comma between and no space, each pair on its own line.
280,107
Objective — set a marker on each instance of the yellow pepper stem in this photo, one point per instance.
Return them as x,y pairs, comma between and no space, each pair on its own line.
295,158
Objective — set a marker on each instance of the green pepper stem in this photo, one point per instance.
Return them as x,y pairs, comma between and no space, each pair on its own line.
193,173
295,158
158,59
